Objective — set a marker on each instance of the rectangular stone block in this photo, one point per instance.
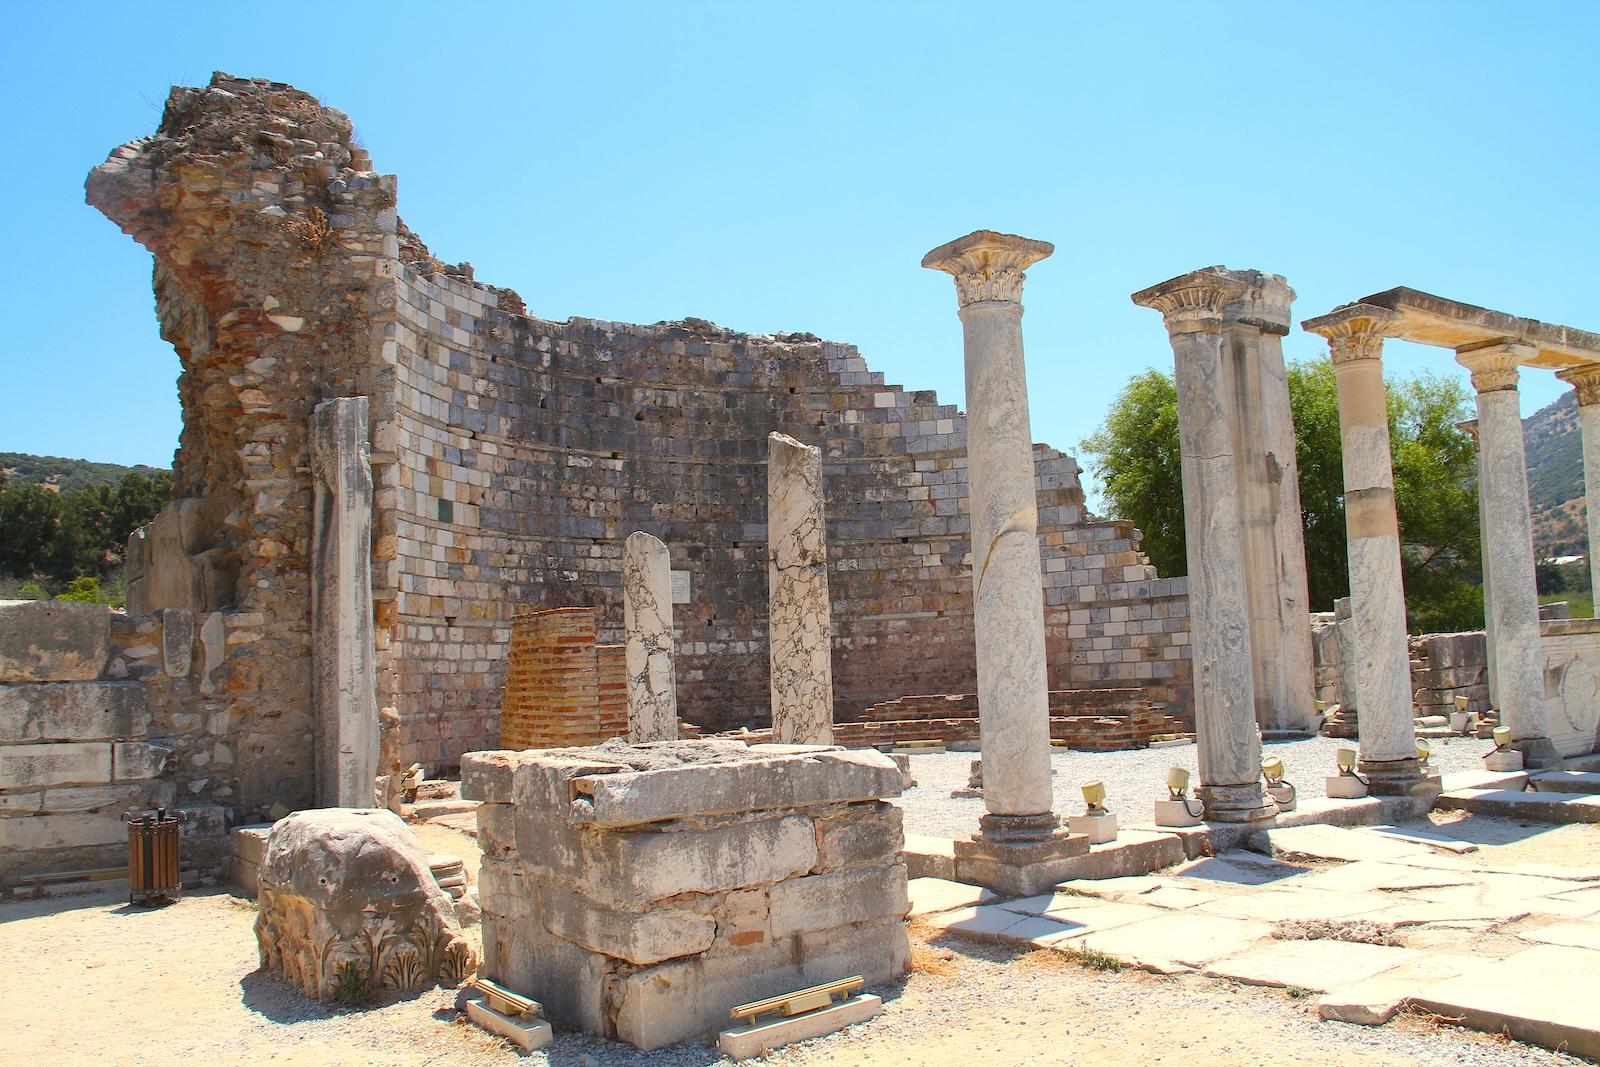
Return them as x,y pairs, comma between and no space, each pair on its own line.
134,761
53,641
639,937
863,833
747,1042
77,799
62,831
629,870
782,781
823,901
73,711
72,763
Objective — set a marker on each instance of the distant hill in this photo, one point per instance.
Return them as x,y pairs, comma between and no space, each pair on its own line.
67,474
1555,478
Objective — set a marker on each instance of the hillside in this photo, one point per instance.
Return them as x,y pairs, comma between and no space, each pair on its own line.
68,474
1555,478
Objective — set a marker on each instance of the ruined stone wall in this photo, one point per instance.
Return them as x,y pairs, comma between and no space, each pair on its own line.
512,455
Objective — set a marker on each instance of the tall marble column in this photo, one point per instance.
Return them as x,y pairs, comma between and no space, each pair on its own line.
344,674
798,628
1382,670
1254,325
1227,736
1508,544
649,649
1586,381
1470,428
1007,580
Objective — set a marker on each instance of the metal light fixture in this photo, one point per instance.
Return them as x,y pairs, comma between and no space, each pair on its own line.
1461,703
1423,752
1347,760
1502,737
1094,795
1177,784
1272,770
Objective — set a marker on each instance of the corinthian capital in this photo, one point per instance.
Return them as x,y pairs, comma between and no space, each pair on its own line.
988,265
1193,302
1494,365
1586,381
1355,331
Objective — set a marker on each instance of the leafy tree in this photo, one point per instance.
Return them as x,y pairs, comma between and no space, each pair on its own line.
1551,577
30,523
1136,456
83,590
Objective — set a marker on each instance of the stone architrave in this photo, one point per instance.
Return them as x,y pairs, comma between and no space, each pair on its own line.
1381,670
1254,326
798,628
1470,428
1585,381
344,674
1508,547
1007,579
1227,736
647,622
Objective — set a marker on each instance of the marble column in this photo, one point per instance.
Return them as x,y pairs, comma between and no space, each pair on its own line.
798,629
649,650
1382,669
1254,325
1007,580
1508,545
344,673
1470,428
1227,736
1585,381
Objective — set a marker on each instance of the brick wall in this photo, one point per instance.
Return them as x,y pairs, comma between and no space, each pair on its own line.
562,688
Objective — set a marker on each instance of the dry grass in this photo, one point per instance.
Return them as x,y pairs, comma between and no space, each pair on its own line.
315,232
1056,959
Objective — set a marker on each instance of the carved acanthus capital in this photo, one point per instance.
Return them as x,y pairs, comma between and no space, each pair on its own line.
1585,380
1354,332
1193,302
1470,428
988,265
1494,365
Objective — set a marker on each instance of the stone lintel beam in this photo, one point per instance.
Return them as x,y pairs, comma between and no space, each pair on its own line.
1193,302
1434,320
988,265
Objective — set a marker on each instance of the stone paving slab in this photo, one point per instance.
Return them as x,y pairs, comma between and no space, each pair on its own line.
1176,941
1567,782
1366,876
1572,935
1422,835
1080,915
1468,915
1237,869
1373,1001
1176,898
1510,804
1546,996
1113,888
1332,843
987,921
1315,965
1280,905
941,894
1484,779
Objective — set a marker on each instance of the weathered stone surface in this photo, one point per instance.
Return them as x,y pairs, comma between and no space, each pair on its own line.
345,886
53,641
1176,942
65,763
62,831
862,834
1545,995
641,938
488,776
798,613
651,648
941,894
1541,807
1315,965
75,711
134,761
342,653
628,870
823,901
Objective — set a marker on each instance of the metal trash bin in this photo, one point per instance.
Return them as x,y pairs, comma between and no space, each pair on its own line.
152,857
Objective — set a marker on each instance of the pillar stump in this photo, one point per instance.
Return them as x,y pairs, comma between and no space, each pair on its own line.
649,648
798,620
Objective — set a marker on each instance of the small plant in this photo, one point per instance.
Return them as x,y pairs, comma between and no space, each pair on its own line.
1093,959
1298,992
32,590
316,233
351,989
83,590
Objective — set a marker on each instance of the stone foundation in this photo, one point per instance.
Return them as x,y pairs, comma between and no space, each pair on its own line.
639,892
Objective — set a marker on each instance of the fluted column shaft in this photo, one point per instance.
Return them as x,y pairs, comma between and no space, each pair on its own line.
1586,380
1382,671
1508,544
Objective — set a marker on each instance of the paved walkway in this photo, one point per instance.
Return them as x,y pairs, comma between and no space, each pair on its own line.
1368,921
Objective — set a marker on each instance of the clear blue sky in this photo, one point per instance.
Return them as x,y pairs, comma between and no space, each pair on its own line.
781,170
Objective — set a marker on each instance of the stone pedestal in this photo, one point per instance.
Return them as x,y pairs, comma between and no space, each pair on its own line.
1586,382
1226,733
649,649
1344,787
1503,759
344,685
1508,547
1178,813
1254,325
797,586
1381,670
1284,796
1097,828
640,892
1008,598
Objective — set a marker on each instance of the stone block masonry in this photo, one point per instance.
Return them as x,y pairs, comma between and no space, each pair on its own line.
641,891
511,455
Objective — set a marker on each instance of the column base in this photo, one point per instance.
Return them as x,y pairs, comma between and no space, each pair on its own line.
1539,754
1236,803
1019,855
1391,778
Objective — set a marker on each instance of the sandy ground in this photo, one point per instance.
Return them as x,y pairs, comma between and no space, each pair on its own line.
92,980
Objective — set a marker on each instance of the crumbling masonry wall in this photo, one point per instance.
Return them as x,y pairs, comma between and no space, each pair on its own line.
512,455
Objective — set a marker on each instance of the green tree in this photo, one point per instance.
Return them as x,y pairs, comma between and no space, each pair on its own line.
1135,455
137,500
30,523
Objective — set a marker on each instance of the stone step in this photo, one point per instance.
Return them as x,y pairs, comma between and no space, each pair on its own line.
1567,782
1459,780
424,810
1514,804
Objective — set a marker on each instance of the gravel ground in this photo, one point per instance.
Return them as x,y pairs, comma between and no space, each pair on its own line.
1134,779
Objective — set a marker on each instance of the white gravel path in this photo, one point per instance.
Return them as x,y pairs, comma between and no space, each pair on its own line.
1134,779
